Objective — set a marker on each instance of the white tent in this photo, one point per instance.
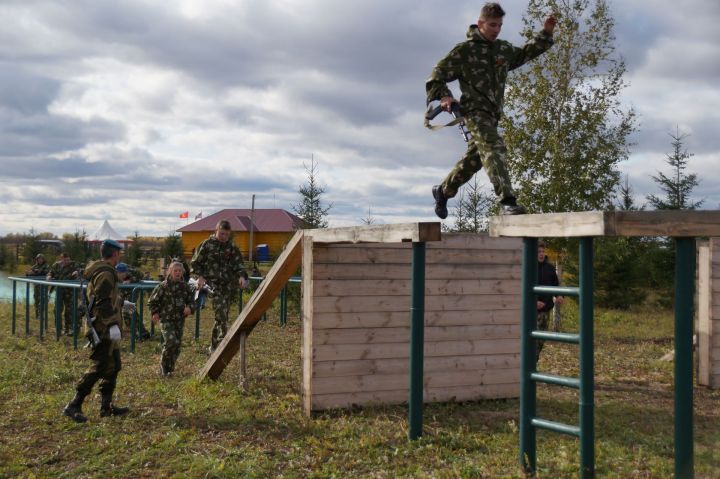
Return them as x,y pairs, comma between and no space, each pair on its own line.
107,232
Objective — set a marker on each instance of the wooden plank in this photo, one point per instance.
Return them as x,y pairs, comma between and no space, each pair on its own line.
476,241
365,255
334,352
355,304
308,291
402,318
704,287
683,223
400,396
401,287
285,267
432,271
398,335
401,366
389,382
396,233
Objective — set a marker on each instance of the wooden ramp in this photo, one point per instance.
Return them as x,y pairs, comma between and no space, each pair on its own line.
286,265
270,287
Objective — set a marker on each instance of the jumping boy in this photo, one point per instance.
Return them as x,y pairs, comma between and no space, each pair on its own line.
480,64
170,302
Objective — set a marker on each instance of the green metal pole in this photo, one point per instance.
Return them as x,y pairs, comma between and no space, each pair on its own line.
684,297
27,311
587,387
528,358
74,317
46,306
14,304
417,340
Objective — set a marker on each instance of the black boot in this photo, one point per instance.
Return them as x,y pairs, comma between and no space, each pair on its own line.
509,206
440,201
108,409
73,410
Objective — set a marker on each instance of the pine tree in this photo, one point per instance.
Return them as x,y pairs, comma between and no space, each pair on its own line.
471,209
565,128
310,207
677,187
134,252
172,246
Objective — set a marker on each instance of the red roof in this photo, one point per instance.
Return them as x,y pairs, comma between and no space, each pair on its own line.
265,220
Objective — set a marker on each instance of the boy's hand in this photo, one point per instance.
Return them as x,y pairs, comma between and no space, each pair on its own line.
186,311
155,318
446,103
550,23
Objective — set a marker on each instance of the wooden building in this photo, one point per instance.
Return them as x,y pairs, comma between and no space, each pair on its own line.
272,227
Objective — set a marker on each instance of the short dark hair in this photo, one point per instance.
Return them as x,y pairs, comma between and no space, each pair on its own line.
491,10
106,250
223,225
541,245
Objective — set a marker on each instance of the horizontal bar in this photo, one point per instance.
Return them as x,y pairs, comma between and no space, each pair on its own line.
557,290
555,379
556,427
559,337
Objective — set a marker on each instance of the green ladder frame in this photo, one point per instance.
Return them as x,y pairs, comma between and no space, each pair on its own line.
585,431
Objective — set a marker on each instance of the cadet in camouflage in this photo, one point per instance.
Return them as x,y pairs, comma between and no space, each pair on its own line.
129,275
480,65
170,302
65,269
219,262
105,357
39,268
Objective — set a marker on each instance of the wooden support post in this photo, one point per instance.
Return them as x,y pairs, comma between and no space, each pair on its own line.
241,357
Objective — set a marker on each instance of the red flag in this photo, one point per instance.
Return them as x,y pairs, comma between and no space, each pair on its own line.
184,215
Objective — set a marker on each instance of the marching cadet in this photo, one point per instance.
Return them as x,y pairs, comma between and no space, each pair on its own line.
39,268
65,269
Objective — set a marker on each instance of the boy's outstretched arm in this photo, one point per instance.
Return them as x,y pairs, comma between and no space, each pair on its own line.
536,46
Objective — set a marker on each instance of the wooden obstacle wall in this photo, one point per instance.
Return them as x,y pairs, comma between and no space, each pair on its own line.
709,313
356,320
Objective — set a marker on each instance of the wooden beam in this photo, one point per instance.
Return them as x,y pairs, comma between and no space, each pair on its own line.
677,223
285,267
377,233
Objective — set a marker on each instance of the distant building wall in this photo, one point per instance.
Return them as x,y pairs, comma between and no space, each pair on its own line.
275,241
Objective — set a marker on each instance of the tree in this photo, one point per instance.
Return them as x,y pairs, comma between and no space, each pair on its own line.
310,208
369,219
76,246
677,187
471,209
172,246
32,246
627,202
134,252
565,129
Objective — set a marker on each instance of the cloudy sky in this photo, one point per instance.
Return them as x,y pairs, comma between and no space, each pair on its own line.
136,111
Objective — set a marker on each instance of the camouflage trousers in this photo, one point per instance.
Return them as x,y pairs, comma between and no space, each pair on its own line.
485,148
221,308
38,299
543,319
105,367
172,332
64,305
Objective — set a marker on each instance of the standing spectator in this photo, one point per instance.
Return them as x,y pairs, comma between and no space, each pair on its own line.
170,302
65,269
547,276
39,268
219,262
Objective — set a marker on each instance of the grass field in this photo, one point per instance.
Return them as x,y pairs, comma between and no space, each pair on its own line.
180,427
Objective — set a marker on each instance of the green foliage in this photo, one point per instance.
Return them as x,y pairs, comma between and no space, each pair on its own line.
471,209
8,261
310,207
76,246
564,126
32,247
172,246
677,188
133,255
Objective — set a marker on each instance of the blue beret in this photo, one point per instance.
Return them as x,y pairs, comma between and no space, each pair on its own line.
121,268
111,243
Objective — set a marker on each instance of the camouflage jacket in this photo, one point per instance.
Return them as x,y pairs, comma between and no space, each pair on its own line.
169,299
39,270
481,68
220,263
60,271
103,286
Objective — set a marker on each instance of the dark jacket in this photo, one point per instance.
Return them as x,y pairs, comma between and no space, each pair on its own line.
547,276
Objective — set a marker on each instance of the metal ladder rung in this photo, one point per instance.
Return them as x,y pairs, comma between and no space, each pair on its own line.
557,290
555,379
559,337
556,427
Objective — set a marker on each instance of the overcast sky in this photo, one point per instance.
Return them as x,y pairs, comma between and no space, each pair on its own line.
136,111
